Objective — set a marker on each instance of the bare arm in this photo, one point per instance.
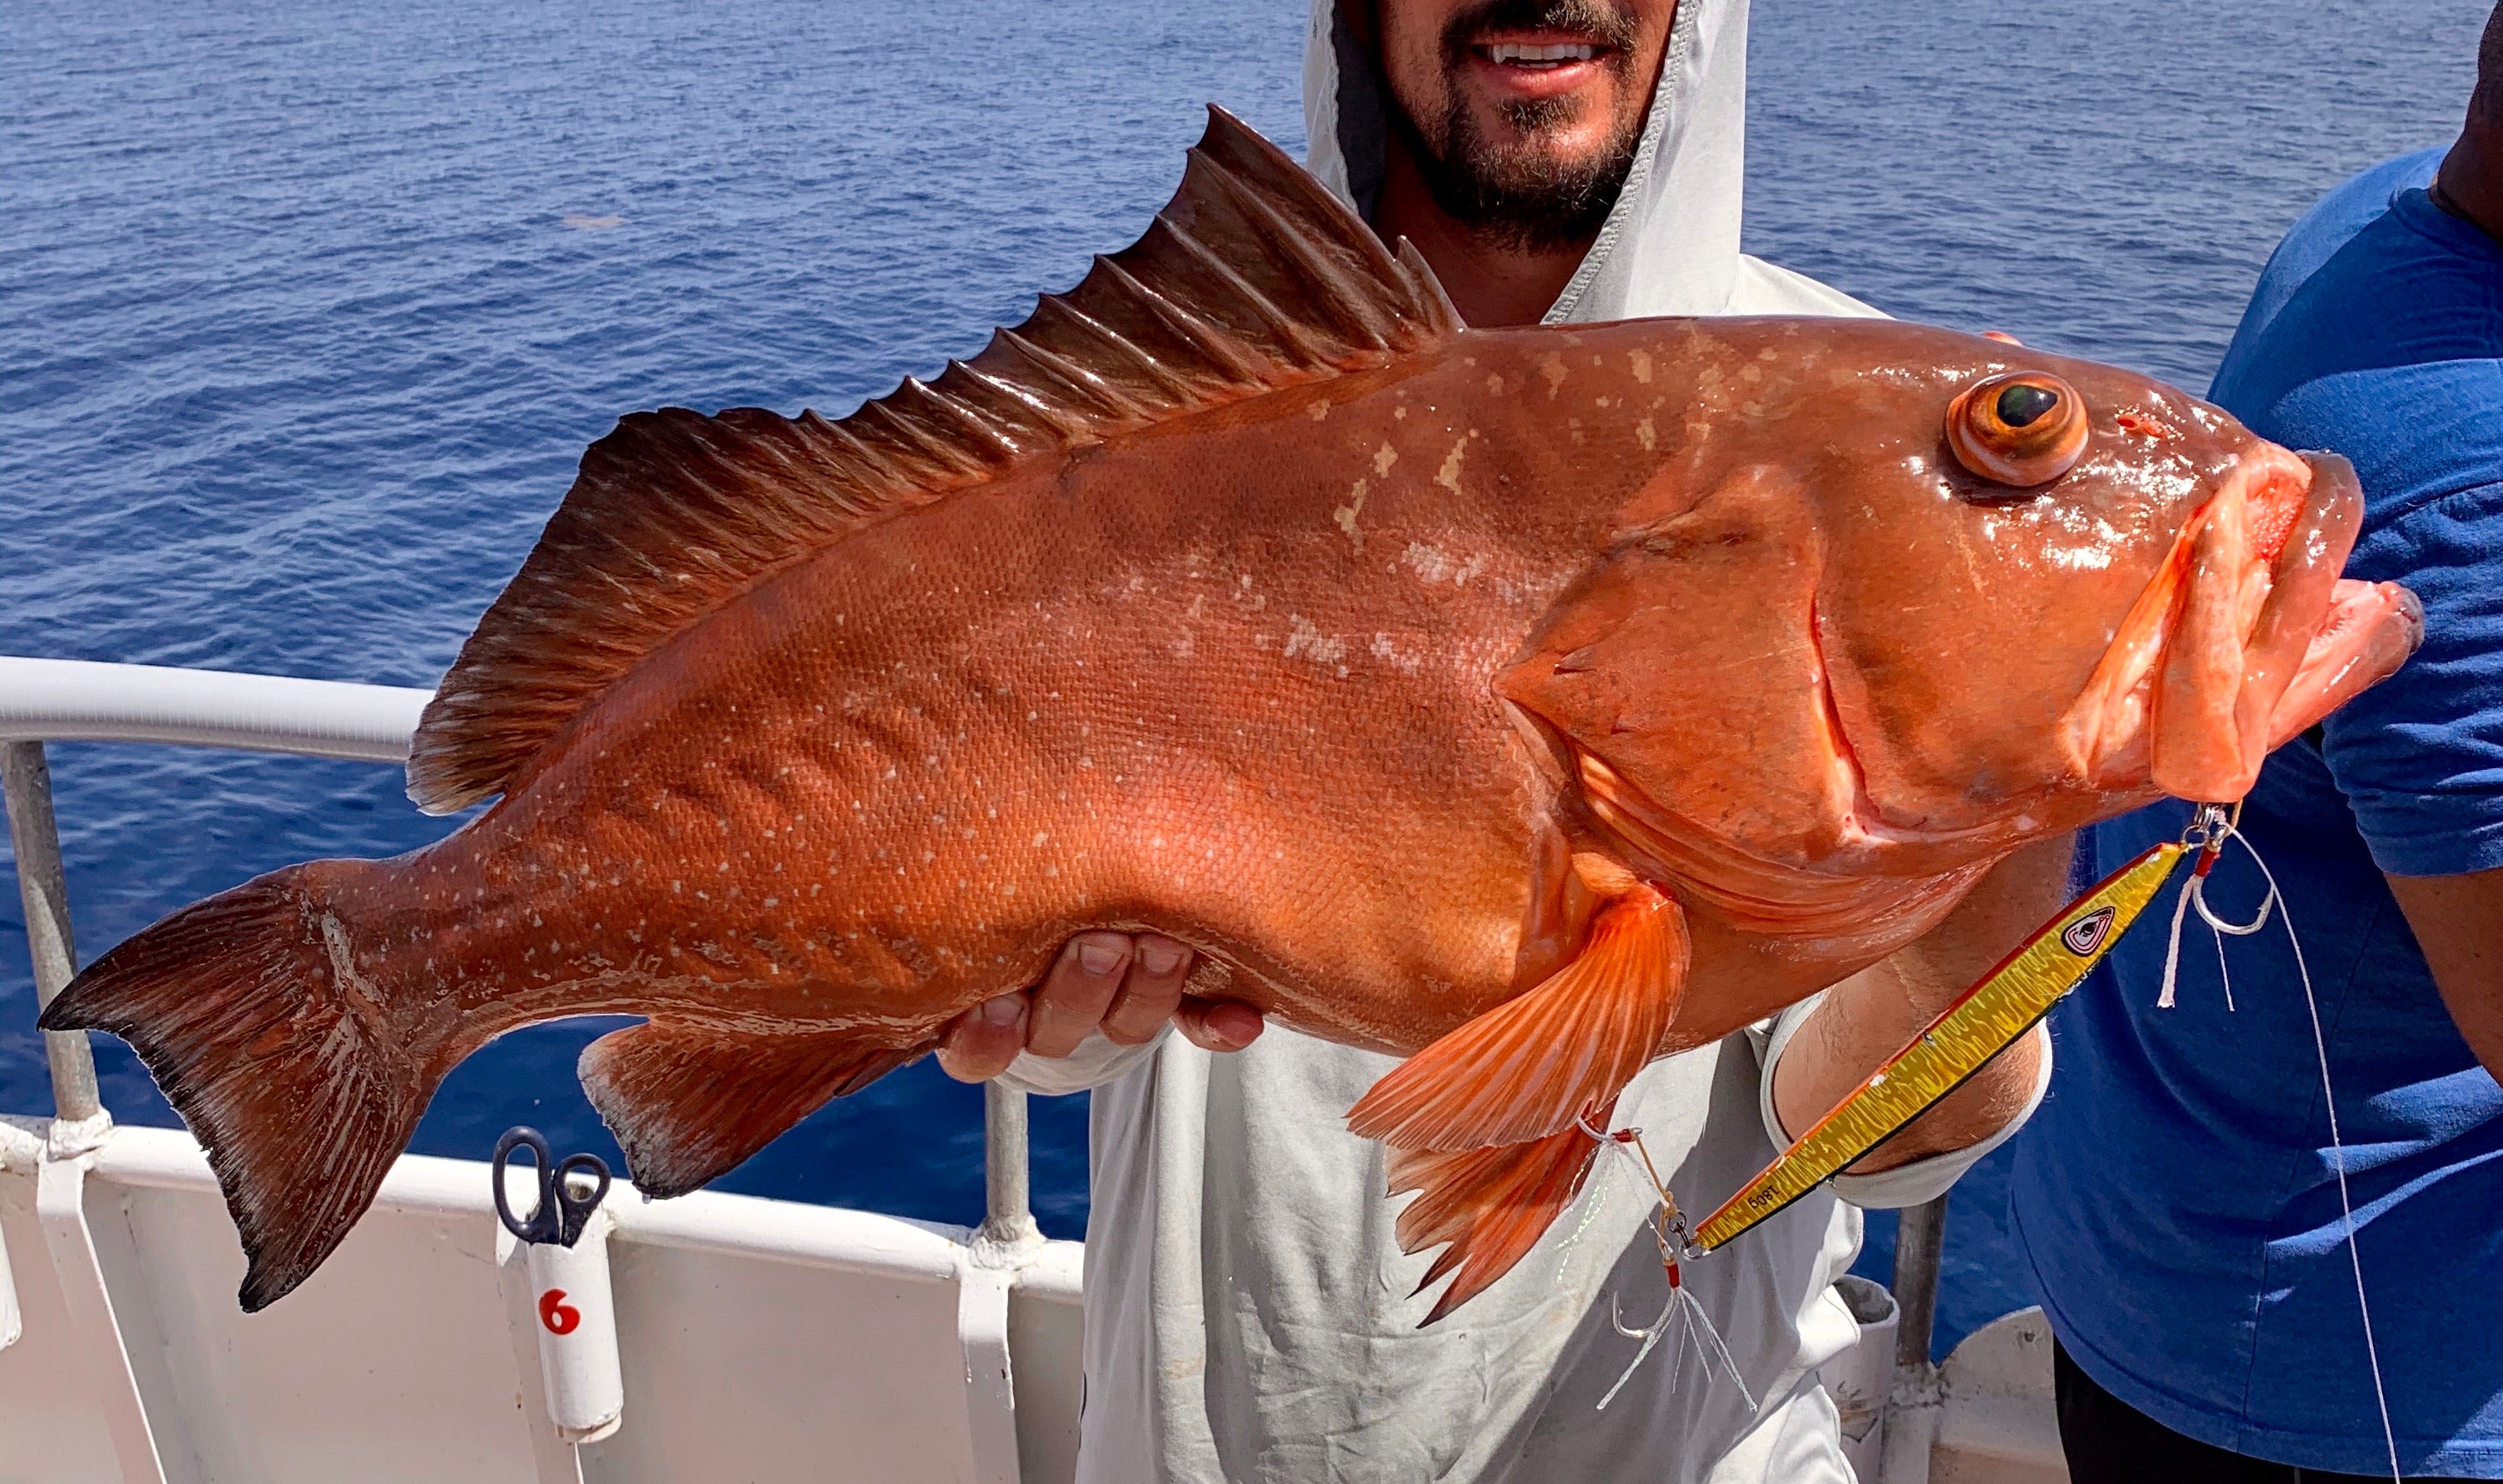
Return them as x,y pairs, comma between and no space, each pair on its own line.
2459,923
1876,1013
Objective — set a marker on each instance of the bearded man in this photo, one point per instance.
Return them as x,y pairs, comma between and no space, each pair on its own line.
1248,1312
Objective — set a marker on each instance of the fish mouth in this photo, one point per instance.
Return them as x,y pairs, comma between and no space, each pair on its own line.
2244,637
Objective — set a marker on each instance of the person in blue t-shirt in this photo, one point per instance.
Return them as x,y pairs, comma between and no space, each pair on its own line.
2178,1193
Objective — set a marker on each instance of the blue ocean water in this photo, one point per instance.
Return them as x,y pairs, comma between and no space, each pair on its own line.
310,309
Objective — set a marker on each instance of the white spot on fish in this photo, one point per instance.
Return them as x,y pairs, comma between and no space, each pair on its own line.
1641,361
1449,475
1345,515
1383,461
1552,367
1383,649
1435,564
1646,434
343,960
1307,640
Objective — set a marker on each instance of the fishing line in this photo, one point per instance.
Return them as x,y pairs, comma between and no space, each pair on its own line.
2210,829
1595,1195
1683,1312
2193,894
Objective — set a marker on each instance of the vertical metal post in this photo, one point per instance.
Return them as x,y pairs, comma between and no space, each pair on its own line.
29,781
1919,1236
987,1283
1914,1400
1009,1220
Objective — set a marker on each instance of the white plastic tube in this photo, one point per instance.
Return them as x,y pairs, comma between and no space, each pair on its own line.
12,1325
577,1333
65,699
21,1154
1859,1379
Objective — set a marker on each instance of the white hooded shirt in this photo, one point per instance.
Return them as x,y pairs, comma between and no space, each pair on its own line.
1248,1313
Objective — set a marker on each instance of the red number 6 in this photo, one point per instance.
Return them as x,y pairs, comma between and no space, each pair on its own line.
559,1316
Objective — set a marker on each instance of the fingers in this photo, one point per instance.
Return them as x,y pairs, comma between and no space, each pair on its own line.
979,1044
1078,991
1217,1026
1150,993
1127,988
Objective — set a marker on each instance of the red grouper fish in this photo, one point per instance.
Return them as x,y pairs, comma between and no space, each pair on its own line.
1530,703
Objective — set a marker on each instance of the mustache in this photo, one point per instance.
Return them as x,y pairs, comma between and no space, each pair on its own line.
1609,24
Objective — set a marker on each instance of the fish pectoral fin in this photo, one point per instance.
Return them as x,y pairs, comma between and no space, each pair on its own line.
688,1104
1491,1205
1530,1066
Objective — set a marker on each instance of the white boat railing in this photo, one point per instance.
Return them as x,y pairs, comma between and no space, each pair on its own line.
84,701
44,701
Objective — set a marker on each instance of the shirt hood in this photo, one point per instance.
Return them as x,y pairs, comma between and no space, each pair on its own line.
1671,246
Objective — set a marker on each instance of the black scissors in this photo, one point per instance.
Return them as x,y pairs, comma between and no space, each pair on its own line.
560,1215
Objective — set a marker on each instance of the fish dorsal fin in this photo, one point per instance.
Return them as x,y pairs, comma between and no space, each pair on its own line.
1252,279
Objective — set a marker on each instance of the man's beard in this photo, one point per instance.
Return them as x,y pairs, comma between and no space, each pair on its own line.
1525,198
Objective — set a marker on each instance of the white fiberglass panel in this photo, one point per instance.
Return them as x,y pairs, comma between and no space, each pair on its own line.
391,1364
51,1431
737,1368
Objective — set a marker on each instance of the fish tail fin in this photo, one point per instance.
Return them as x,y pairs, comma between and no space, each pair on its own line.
1491,1205
293,1065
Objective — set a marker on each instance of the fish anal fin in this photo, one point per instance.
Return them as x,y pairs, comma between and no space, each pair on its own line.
1530,1066
1252,278
1490,1205
689,1104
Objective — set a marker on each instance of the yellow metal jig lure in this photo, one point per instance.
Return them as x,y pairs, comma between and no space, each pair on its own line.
1983,1022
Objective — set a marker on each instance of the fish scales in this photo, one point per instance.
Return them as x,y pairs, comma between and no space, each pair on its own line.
1314,779
1529,703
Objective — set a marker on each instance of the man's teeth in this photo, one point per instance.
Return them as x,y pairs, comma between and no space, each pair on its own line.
1509,52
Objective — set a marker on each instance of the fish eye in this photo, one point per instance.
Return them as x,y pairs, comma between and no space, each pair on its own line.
2021,428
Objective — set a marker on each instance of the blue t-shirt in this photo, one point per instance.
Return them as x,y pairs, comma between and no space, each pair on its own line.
2176,1193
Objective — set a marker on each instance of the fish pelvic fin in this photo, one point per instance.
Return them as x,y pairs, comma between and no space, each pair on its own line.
1490,1205
1254,278
266,1016
688,1104
1530,1066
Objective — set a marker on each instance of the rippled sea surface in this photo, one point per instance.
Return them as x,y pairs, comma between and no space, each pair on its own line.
306,312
